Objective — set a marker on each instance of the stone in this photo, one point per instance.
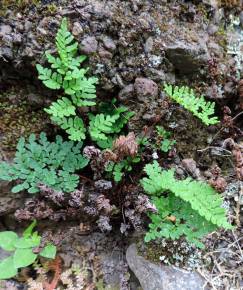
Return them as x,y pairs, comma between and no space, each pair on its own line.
187,57
145,88
89,45
5,29
126,93
77,29
105,54
109,43
156,277
241,19
148,47
191,166
212,29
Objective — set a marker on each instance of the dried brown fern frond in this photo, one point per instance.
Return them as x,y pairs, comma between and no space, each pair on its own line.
126,146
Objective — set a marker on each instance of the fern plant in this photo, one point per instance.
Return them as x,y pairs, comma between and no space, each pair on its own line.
43,162
22,251
119,169
197,105
195,206
65,73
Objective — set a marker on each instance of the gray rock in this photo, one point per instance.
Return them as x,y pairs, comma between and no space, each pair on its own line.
187,57
109,43
148,47
77,29
145,88
191,166
5,29
126,93
155,277
89,45
212,29
241,19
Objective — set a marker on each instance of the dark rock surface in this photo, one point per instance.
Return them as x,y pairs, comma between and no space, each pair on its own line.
154,277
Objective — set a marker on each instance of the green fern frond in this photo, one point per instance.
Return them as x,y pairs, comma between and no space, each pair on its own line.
66,46
42,162
101,125
197,105
50,79
61,108
186,222
202,197
74,127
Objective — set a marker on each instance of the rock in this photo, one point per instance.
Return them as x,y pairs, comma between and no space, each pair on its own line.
5,29
191,166
109,43
126,93
145,88
241,19
77,29
89,45
105,54
212,29
148,47
155,277
187,57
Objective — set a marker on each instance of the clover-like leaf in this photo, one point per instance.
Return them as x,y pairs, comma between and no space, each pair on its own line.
7,268
7,240
23,258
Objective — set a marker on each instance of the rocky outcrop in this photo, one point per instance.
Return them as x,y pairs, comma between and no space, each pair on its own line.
155,277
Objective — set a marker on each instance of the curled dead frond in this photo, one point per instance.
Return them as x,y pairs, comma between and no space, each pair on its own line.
126,146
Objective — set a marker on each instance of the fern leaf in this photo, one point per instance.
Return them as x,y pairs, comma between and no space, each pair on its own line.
61,108
73,126
197,105
202,197
50,79
100,125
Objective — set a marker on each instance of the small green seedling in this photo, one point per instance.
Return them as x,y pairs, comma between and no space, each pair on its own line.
119,169
165,144
21,249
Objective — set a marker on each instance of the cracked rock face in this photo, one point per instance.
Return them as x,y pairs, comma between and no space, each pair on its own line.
155,277
124,40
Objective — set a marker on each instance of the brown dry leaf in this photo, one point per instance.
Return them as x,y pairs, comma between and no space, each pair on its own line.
126,145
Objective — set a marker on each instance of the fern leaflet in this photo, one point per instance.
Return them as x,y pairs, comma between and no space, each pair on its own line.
197,105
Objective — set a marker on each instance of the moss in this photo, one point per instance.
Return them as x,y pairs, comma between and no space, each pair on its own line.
16,5
52,8
17,120
221,36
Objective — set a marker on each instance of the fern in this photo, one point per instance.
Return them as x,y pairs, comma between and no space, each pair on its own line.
175,219
119,169
61,108
73,126
110,121
101,125
197,105
65,73
44,162
200,197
